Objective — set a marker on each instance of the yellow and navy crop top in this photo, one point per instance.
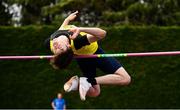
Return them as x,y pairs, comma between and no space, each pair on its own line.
79,45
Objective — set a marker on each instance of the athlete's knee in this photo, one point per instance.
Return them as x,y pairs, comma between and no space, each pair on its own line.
126,79
95,94
94,91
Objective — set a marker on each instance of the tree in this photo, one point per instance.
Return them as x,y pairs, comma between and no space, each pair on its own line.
101,12
31,10
89,10
5,16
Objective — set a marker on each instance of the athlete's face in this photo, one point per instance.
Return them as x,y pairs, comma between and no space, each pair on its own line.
60,44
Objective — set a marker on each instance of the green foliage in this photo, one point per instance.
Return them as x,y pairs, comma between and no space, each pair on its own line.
133,12
177,18
164,11
5,16
33,83
31,11
113,17
56,9
118,5
100,12
137,13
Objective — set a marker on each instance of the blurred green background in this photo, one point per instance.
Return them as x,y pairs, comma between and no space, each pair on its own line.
131,25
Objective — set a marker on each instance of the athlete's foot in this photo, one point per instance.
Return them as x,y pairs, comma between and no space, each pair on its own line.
72,84
84,86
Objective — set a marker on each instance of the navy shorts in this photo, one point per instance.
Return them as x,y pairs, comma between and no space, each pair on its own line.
88,65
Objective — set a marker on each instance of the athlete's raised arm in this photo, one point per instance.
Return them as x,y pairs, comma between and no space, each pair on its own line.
70,18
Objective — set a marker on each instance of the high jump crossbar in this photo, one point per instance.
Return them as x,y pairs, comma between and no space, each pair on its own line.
169,53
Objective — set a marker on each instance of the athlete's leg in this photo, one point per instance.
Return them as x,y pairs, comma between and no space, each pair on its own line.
115,73
88,68
72,84
120,77
94,91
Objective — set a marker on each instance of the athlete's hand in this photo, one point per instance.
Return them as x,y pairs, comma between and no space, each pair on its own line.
75,31
72,16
